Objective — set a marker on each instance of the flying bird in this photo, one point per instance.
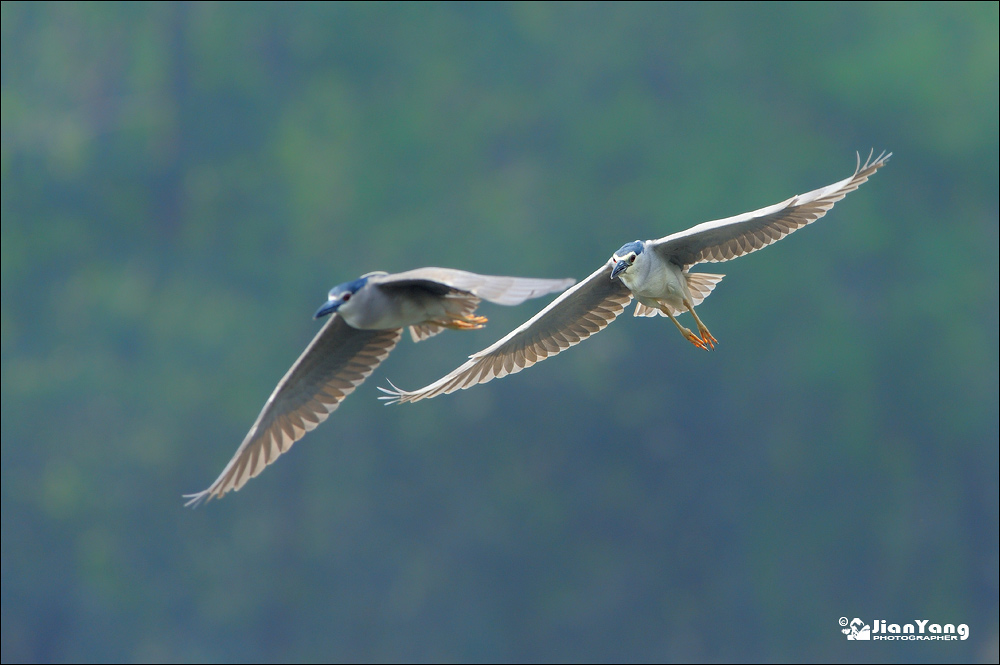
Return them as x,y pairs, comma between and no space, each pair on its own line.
655,273
367,317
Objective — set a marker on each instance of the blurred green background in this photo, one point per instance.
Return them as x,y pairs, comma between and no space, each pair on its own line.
183,183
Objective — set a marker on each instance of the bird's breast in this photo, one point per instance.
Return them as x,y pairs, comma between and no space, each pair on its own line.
655,279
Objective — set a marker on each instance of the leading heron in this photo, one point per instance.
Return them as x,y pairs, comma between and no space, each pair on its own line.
655,273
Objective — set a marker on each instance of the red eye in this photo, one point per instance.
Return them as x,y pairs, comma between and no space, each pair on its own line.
631,259
345,297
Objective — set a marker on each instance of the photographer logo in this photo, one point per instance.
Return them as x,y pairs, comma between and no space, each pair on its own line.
918,630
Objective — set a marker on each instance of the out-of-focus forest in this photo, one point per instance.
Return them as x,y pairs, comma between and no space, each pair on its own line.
182,184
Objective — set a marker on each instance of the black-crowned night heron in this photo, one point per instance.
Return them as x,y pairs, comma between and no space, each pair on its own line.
655,273
368,317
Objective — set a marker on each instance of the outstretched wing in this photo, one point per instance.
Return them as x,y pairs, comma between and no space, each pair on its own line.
729,238
495,288
569,319
336,362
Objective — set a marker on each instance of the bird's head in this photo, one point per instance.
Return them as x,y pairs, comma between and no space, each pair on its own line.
339,295
625,257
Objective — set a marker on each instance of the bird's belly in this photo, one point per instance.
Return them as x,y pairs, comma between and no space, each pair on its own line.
392,312
668,285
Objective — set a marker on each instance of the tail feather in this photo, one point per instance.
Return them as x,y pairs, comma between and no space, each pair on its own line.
700,284
458,303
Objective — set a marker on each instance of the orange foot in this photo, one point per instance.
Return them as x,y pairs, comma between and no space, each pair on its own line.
707,337
472,322
694,339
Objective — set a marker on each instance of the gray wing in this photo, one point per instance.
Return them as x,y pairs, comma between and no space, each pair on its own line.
568,320
336,362
495,288
729,238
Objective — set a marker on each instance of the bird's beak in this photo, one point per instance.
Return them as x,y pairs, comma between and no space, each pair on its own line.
328,306
619,267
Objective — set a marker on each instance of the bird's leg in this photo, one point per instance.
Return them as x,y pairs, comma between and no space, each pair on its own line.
688,335
460,322
706,336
